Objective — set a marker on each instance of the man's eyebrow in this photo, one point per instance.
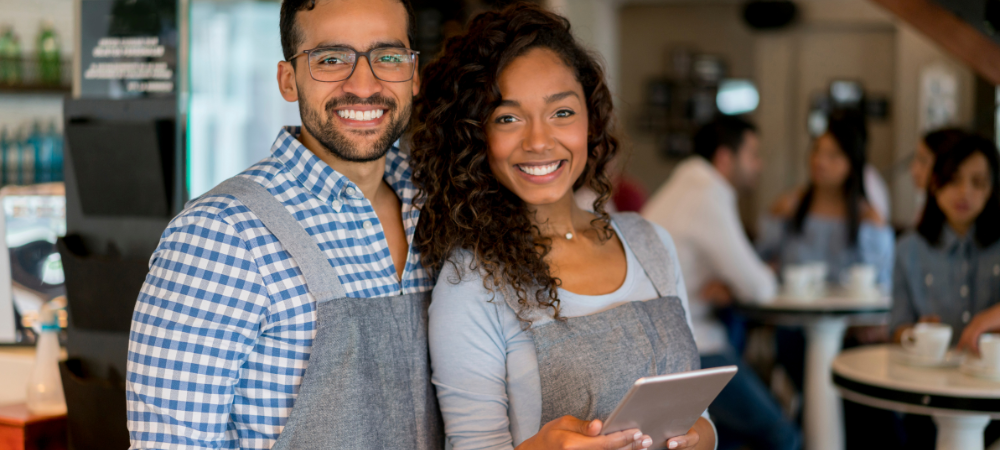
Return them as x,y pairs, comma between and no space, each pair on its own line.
556,97
380,44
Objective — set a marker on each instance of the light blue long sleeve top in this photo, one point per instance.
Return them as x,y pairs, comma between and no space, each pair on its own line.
484,363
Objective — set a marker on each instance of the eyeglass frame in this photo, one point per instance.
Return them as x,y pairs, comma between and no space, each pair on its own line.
357,57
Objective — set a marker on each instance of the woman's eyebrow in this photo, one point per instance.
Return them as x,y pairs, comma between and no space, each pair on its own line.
560,96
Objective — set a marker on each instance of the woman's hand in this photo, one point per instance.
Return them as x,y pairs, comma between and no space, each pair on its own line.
570,433
984,322
693,438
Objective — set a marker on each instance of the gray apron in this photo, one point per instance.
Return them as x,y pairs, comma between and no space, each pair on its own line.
367,384
586,364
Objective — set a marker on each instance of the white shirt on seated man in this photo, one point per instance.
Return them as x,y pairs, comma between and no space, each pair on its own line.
698,207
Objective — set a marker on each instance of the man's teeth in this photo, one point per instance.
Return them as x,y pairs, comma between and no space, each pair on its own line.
360,115
539,170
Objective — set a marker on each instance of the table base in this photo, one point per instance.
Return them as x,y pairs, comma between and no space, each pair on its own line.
960,432
822,416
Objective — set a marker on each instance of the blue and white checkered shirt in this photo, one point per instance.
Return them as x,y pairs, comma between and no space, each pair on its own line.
224,325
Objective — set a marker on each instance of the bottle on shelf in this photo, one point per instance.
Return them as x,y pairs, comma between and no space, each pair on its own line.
12,158
45,390
29,154
49,58
5,143
10,56
56,158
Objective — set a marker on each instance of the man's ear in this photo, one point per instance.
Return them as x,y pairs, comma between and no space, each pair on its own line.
286,81
724,160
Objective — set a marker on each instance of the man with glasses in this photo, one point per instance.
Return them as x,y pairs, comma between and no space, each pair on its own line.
286,308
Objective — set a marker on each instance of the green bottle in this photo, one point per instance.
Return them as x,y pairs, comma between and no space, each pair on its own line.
10,57
49,61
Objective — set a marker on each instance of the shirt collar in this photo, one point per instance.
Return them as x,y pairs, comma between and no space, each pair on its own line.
327,184
952,243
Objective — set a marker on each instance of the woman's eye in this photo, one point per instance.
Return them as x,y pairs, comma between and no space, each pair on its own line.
506,119
562,113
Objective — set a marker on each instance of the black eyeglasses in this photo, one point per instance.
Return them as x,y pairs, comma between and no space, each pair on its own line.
329,64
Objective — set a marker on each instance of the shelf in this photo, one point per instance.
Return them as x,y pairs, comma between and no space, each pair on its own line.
38,89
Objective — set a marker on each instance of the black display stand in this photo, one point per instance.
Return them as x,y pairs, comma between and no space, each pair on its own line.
124,181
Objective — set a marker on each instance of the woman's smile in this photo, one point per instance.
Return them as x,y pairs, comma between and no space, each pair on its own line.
543,172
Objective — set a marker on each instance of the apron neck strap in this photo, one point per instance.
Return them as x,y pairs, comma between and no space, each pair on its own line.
649,250
321,280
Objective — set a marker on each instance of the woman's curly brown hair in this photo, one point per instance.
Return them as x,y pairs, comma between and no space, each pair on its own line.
463,204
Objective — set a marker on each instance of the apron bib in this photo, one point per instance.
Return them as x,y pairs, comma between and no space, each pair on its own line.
586,364
367,384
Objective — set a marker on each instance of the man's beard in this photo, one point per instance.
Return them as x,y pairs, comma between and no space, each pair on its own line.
339,144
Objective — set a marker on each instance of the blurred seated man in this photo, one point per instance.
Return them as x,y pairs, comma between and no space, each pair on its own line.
698,207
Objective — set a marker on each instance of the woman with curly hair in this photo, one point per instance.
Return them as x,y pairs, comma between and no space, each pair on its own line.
544,314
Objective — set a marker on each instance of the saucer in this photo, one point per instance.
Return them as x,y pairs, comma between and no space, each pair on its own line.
898,355
974,367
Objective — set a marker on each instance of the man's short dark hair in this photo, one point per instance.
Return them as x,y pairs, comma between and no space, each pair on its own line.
291,35
723,131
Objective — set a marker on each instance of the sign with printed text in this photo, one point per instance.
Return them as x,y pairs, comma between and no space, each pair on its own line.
128,48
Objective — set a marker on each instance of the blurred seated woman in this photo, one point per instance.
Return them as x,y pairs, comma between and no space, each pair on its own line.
830,221
948,270
543,314
922,164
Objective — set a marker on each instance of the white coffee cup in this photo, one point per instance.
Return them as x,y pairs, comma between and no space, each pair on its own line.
989,350
798,281
927,341
817,276
861,280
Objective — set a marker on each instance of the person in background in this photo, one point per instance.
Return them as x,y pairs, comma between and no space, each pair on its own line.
922,164
948,270
830,220
698,207
543,313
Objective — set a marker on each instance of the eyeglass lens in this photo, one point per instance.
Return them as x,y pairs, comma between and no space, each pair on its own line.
388,64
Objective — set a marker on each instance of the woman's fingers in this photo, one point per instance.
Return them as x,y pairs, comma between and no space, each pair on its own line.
689,440
969,340
624,440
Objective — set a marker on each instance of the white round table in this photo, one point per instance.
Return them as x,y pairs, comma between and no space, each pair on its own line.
824,320
961,405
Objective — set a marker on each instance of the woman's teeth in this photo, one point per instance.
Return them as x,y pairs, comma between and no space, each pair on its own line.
360,115
540,170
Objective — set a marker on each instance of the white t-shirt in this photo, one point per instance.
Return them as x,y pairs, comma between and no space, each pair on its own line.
484,364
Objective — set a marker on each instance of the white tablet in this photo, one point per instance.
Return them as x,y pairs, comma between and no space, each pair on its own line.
667,406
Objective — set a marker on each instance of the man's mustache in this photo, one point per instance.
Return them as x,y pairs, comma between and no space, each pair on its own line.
386,103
